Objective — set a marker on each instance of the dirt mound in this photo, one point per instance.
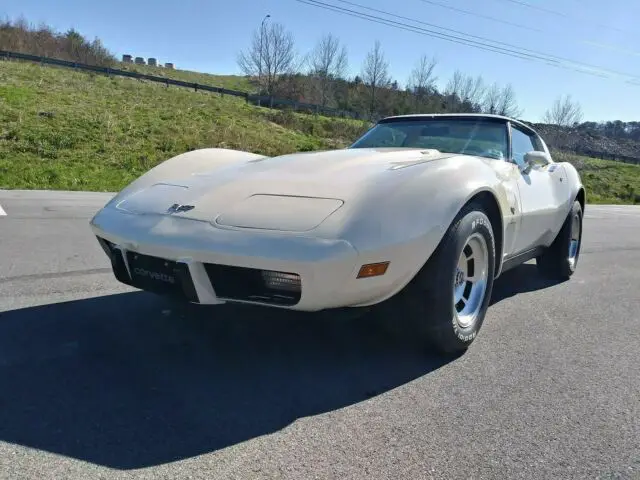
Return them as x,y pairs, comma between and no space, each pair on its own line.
590,144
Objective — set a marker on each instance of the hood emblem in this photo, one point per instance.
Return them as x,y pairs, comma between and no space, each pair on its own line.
176,208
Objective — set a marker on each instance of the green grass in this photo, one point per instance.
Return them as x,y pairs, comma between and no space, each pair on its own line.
62,129
606,181
232,82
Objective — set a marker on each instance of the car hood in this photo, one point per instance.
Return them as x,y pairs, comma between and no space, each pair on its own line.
294,192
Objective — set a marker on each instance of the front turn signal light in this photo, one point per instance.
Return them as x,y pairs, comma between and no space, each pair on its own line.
373,269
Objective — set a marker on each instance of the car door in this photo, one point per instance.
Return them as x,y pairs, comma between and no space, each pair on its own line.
543,190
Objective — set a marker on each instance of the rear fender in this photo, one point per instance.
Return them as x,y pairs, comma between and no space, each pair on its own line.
575,183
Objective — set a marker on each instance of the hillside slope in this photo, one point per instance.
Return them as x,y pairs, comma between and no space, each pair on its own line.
232,82
62,129
578,141
73,130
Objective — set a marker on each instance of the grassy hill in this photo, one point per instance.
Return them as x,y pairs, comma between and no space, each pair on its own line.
606,181
62,129
232,82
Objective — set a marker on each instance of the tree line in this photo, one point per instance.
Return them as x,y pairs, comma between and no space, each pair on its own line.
320,77
42,40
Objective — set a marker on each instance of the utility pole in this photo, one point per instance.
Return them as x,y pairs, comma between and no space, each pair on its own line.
261,37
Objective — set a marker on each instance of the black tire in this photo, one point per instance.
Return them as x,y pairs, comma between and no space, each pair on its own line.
556,262
427,303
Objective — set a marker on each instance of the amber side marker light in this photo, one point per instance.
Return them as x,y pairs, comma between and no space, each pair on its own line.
373,270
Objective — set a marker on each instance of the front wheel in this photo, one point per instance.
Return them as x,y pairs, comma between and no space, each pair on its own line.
448,299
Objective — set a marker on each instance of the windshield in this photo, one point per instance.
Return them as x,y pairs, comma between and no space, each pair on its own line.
467,136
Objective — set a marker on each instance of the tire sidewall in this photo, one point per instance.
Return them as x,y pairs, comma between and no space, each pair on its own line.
474,221
576,208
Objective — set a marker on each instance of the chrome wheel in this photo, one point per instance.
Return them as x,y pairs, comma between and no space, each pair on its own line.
574,241
470,281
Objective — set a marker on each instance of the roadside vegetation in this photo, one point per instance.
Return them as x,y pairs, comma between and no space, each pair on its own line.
65,129
42,40
62,129
606,181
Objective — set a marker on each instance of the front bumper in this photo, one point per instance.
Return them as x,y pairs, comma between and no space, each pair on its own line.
213,265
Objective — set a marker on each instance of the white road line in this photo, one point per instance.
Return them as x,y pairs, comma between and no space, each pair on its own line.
2,212
615,208
618,214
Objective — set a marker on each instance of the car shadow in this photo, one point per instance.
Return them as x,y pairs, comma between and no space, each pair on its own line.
521,279
129,381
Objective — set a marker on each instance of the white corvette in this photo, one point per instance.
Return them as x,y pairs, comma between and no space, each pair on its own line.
422,212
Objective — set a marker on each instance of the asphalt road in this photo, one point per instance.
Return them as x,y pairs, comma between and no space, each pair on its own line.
100,381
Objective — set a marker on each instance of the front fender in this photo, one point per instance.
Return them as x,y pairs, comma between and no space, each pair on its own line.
404,220
423,200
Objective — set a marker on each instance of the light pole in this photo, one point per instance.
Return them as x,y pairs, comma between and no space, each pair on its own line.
260,61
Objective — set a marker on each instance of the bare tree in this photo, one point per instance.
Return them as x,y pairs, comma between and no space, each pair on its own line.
466,89
491,103
501,101
42,40
507,104
422,80
472,90
270,55
328,62
455,83
564,112
375,73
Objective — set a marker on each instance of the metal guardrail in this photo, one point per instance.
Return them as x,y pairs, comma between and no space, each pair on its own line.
261,100
122,73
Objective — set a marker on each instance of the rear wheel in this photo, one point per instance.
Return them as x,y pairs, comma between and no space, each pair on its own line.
560,260
448,299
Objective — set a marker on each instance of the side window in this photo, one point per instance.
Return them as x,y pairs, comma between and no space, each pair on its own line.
537,142
521,143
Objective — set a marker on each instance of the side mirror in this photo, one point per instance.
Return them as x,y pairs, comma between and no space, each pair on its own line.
534,159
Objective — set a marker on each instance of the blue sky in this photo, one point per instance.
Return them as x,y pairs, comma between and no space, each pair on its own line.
207,35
